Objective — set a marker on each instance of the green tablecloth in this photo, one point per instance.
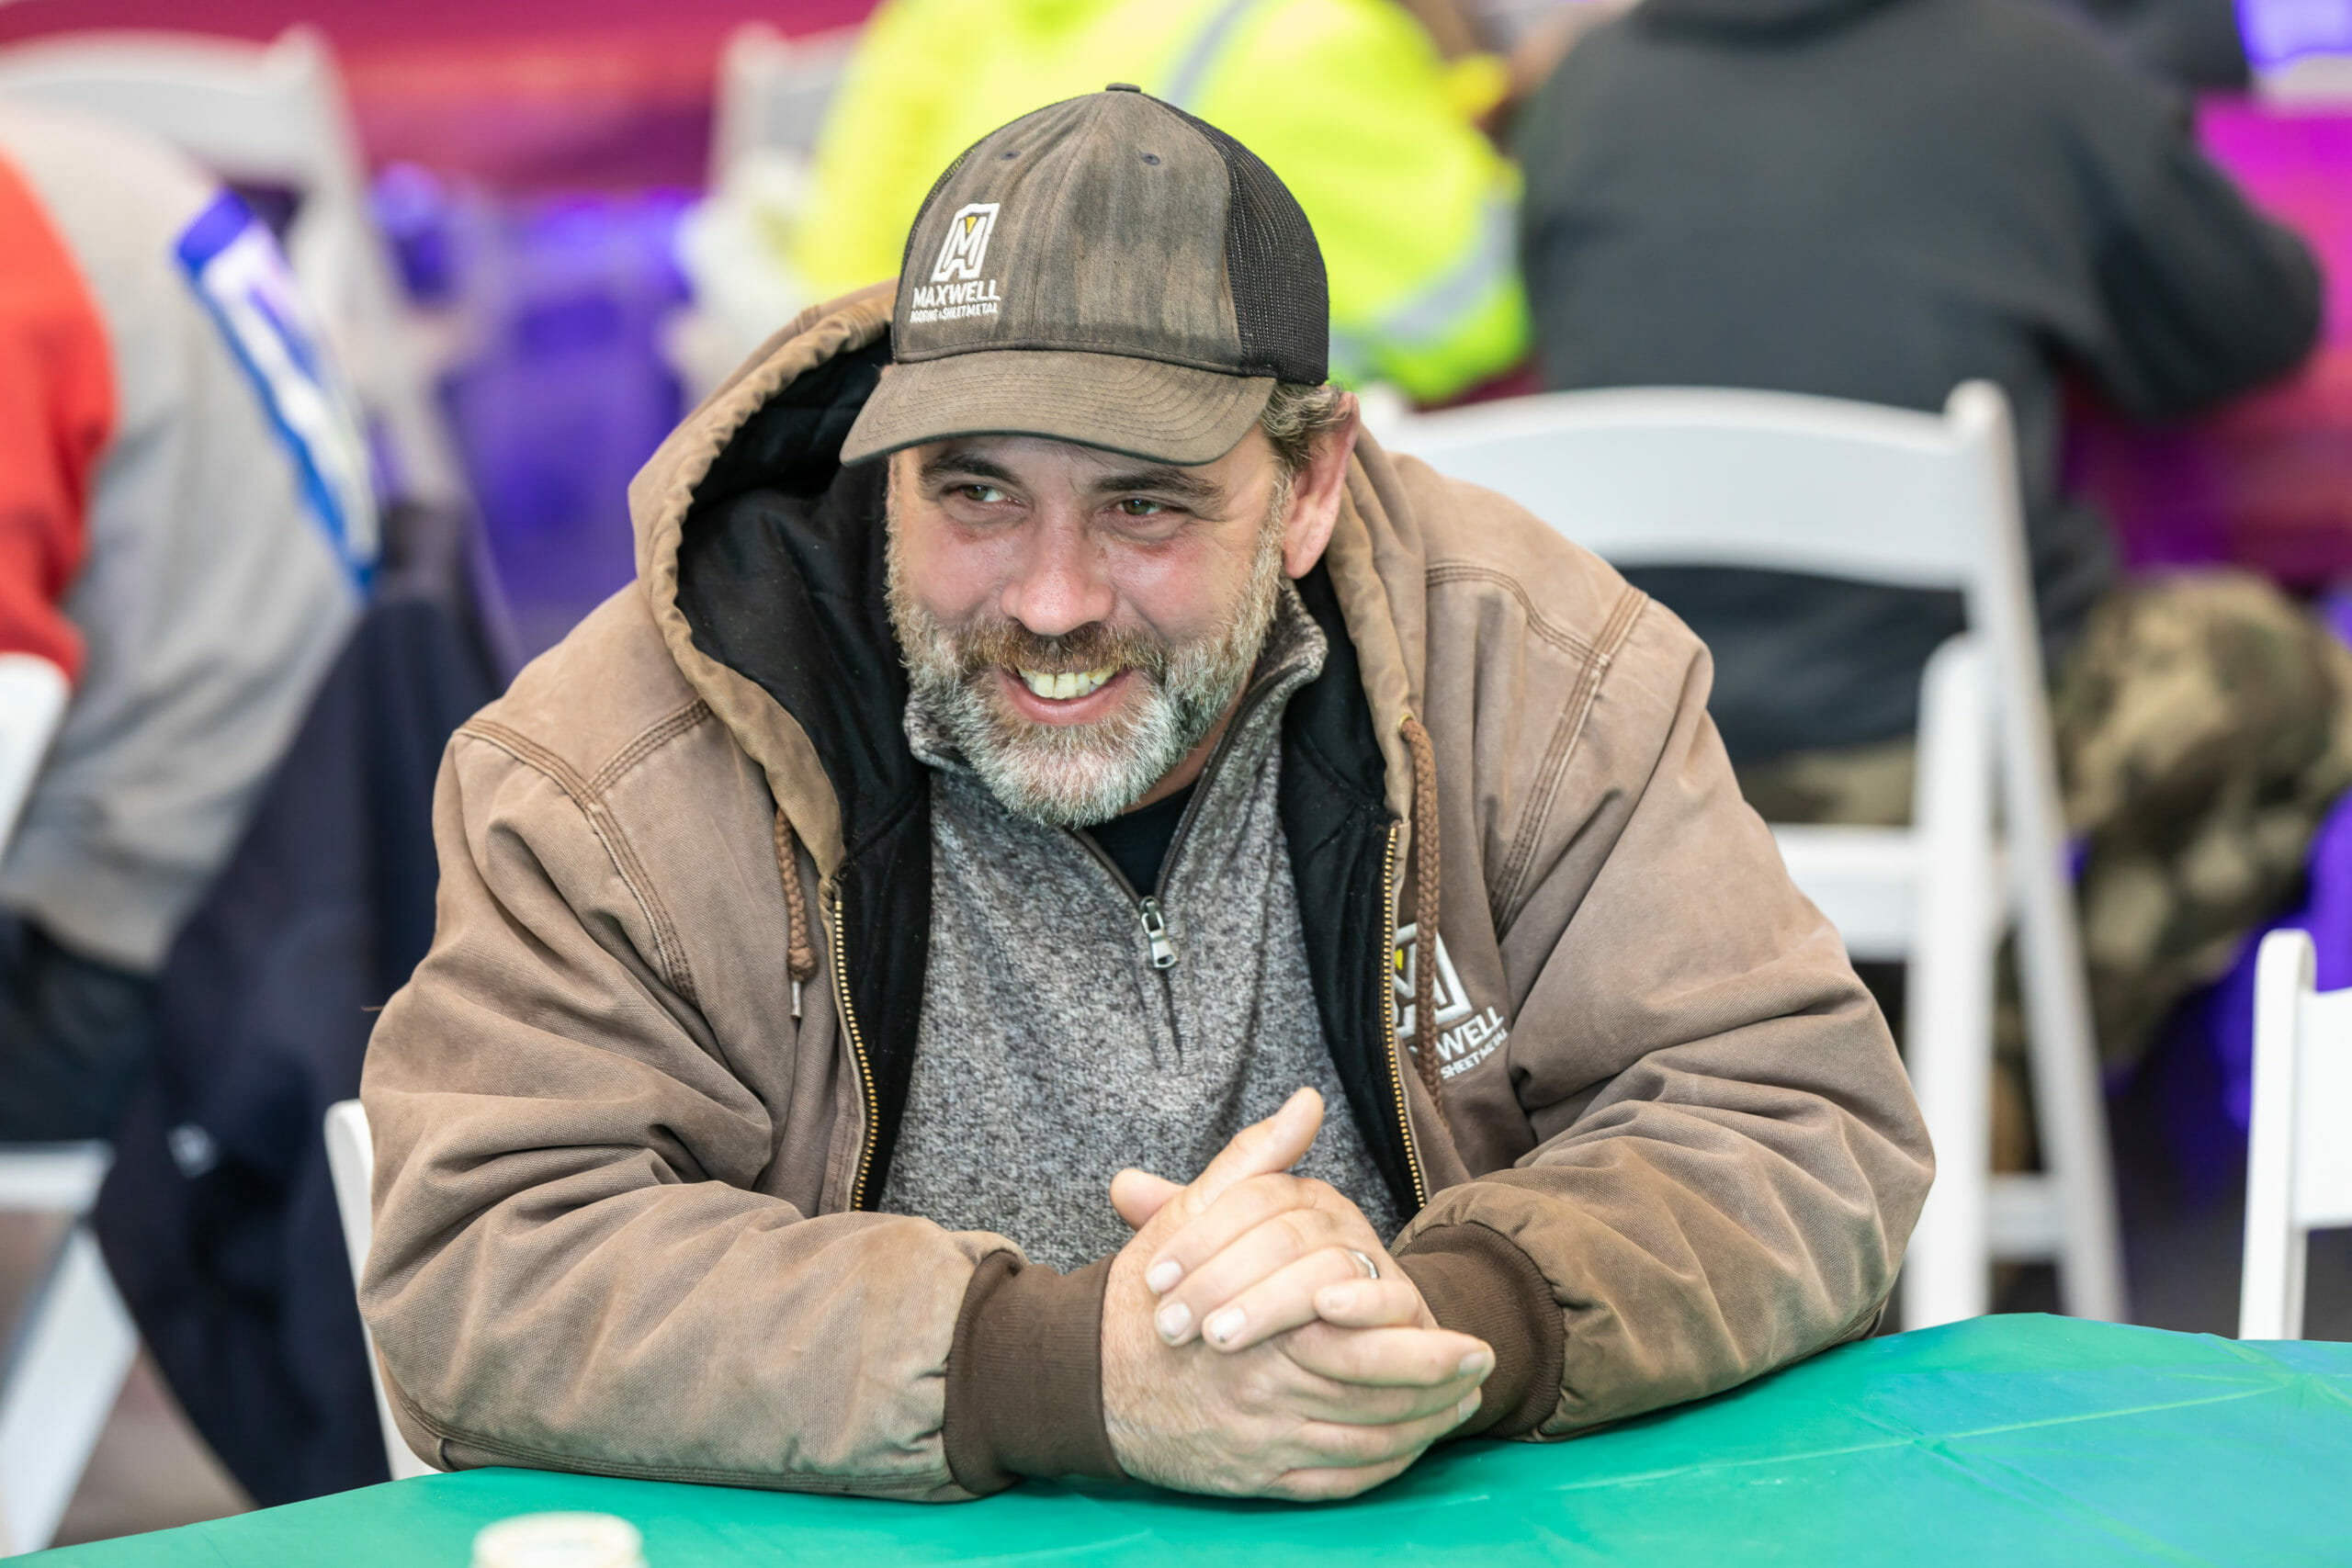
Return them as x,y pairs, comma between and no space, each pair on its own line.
2007,1441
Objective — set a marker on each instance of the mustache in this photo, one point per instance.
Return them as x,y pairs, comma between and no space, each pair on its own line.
1094,646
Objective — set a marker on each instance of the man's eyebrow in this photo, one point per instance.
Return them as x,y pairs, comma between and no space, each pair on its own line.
1160,479
970,465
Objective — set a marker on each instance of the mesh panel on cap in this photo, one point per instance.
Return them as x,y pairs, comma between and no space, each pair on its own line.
1282,301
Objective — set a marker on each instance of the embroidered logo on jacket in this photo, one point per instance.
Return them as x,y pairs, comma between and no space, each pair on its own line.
1470,1034
961,253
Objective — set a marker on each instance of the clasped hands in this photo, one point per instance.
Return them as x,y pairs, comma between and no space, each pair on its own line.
1244,1350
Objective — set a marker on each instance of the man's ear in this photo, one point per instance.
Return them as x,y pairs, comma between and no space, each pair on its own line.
1315,494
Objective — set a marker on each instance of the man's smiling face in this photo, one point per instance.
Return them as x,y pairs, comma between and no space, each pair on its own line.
1081,622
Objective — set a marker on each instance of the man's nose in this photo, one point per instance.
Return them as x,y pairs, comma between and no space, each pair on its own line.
1061,581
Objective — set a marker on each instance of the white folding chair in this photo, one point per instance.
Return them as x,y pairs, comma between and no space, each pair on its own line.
774,91
2299,1159
1667,476
72,1349
272,114
351,1160
74,1342
33,694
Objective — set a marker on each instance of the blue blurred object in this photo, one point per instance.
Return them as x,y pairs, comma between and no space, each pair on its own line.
413,210
2276,31
562,391
568,396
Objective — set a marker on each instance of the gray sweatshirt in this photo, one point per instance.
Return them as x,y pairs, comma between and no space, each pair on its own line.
213,597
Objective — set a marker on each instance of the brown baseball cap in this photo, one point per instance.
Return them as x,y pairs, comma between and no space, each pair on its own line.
1110,270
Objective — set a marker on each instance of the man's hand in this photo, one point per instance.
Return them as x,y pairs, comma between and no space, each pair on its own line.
1270,1251
1318,1410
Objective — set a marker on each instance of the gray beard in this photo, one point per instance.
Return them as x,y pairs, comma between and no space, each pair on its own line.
1078,776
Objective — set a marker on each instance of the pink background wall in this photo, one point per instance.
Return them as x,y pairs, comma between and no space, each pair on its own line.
527,95
2267,481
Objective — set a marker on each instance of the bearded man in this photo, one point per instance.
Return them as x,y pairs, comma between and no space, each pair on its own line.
1049,756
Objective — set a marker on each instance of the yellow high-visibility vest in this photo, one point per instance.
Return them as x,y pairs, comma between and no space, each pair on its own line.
1347,100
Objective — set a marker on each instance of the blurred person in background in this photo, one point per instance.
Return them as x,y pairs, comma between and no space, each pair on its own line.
1354,103
184,518
1878,199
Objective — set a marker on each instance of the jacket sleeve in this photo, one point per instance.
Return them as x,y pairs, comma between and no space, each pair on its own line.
56,417
2203,296
573,1265
1727,1155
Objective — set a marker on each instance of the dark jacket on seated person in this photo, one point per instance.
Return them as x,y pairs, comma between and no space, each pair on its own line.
1879,200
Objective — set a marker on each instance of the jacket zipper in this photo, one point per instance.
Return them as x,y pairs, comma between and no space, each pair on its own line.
1148,914
1390,1014
857,1051
1155,930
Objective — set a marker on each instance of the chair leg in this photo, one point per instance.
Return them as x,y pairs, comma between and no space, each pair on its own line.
2270,1285
2070,1106
63,1379
1948,1026
1946,1274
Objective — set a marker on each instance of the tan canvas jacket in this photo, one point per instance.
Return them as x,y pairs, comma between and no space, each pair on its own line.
627,1112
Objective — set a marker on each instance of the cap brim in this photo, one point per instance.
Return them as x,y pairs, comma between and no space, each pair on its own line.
1143,408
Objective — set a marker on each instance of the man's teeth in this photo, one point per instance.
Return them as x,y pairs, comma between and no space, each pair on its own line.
1067,684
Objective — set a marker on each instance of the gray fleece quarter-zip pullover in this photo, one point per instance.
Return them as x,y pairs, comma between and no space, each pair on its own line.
1061,1041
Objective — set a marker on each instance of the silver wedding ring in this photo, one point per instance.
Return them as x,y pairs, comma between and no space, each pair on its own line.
1371,1270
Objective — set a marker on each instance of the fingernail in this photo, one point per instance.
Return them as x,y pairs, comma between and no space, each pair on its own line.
1467,1408
1172,1320
1478,1363
1223,1326
1162,1274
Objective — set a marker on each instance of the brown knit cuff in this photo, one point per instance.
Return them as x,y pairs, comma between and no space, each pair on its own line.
1477,1281
1024,1376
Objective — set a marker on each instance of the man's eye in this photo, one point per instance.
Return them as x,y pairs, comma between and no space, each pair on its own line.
987,495
1137,506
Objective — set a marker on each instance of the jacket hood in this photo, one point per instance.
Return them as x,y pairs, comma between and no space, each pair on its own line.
761,559
1751,20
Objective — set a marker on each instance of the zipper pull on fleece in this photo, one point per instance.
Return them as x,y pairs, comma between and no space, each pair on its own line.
1154,928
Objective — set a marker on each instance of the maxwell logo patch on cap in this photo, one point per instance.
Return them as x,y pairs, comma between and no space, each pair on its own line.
966,245
960,255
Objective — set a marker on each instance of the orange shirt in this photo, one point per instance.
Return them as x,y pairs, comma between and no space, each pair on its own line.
57,413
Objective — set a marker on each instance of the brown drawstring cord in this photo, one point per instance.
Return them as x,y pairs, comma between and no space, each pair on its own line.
799,951
1425,914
